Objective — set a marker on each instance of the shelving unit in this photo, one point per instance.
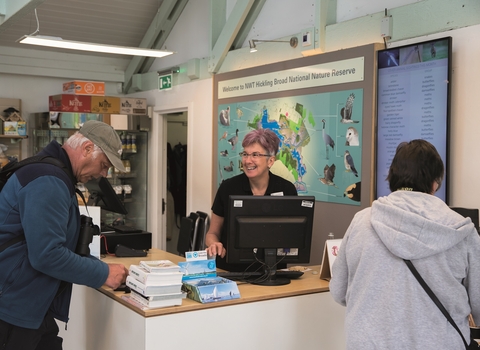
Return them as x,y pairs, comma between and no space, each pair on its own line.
14,145
13,137
136,204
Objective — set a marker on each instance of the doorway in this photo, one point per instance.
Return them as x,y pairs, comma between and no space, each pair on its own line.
175,209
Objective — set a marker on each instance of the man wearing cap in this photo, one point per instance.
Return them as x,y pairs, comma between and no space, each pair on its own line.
37,273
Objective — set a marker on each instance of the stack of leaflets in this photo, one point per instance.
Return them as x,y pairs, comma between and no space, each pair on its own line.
156,284
211,289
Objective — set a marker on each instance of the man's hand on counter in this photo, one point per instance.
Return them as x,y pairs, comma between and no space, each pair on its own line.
117,274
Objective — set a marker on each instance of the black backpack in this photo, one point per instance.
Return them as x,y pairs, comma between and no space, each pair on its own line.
14,165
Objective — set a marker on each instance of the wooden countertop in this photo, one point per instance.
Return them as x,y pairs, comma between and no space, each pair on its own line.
309,283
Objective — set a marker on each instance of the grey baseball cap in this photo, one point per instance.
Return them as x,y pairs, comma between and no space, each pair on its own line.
105,137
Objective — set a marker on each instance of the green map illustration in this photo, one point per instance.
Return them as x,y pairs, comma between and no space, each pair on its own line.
320,141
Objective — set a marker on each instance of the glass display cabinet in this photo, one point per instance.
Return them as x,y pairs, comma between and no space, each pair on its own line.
130,187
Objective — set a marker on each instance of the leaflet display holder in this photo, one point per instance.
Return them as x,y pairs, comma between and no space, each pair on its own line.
329,255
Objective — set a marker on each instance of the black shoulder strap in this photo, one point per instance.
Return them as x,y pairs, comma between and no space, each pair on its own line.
7,244
11,167
434,298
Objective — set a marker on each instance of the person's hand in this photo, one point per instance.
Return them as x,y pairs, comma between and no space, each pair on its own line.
216,248
117,274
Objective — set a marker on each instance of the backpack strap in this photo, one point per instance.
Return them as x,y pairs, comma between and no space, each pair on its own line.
11,242
13,166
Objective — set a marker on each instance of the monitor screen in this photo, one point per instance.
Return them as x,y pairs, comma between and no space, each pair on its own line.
471,213
413,102
103,195
269,229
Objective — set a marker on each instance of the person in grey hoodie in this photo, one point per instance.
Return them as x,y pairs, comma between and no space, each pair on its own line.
386,307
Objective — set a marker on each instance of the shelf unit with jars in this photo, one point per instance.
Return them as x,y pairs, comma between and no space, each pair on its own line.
130,187
11,142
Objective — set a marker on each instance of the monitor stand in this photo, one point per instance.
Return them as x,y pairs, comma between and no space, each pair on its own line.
269,278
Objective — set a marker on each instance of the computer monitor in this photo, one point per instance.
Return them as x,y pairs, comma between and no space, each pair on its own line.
471,213
103,195
270,230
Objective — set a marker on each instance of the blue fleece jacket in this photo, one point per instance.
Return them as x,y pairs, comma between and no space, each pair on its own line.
39,200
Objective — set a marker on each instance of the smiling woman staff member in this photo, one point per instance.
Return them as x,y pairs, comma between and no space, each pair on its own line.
259,150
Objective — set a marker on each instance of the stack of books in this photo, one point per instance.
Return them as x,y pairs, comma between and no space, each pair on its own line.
155,284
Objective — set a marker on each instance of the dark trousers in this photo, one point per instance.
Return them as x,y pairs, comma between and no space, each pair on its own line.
18,338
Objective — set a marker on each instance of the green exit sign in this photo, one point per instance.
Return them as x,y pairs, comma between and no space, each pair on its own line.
165,82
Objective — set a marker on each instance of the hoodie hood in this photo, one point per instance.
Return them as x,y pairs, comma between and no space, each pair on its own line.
415,225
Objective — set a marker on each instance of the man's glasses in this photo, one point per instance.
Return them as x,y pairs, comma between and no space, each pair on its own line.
254,155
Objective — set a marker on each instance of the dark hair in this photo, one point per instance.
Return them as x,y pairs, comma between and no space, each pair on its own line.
416,165
265,138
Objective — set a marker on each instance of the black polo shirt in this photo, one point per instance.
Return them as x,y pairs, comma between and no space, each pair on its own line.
240,185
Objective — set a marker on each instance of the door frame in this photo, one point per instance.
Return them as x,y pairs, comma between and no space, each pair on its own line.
157,174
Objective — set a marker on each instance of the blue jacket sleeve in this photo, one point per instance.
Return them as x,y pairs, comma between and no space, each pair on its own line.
50,220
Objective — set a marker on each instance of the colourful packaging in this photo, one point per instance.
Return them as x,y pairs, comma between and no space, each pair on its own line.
79,87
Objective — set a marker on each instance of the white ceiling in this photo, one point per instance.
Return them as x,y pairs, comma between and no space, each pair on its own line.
114,22
134,23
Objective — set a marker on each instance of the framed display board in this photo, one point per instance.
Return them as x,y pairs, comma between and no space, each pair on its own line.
323,109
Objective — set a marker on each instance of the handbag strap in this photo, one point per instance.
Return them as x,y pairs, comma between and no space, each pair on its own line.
434,298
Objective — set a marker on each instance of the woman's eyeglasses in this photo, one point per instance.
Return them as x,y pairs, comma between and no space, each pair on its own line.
254,155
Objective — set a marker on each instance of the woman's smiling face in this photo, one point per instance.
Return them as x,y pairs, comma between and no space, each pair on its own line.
256,166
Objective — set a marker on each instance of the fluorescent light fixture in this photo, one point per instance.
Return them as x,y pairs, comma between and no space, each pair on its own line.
253,47
57,42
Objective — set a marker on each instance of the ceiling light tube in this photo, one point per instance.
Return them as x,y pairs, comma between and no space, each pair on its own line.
91,47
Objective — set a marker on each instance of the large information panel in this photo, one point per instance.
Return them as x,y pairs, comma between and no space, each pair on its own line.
413,103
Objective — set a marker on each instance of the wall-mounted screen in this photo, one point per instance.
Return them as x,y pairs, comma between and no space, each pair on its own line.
413,102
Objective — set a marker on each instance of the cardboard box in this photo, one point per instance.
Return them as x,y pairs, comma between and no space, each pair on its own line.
135,106
15,128
79,87
70,103
105,104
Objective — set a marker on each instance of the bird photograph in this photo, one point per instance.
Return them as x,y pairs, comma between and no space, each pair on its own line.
352,137
224,116
329,174
233,140
239,113
346,112
228,168
349,165
327,140
353,192
224,136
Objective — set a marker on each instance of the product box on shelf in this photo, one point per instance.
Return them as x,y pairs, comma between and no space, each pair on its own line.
105,104
79,87
15,128
136,106
70,103
13,123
